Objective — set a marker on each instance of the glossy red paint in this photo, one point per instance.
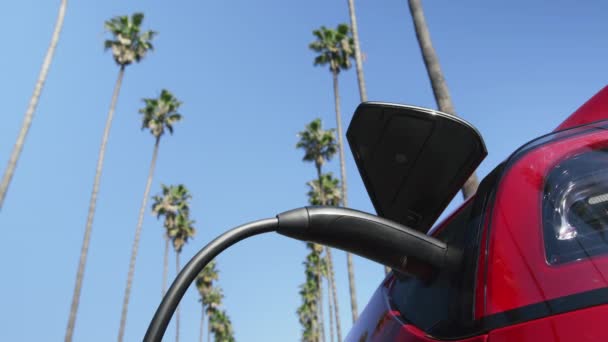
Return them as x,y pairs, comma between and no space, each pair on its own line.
593,110
517,272
581,326
480,282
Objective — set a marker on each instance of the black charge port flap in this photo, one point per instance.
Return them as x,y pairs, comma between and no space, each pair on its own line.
412,160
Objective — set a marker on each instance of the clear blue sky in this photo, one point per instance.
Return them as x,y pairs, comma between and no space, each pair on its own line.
245,75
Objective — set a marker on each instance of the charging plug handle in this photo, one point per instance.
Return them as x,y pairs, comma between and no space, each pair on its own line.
384,241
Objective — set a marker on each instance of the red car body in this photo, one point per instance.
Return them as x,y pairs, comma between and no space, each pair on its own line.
535,237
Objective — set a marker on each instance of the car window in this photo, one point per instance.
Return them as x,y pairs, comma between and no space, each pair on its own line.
428,303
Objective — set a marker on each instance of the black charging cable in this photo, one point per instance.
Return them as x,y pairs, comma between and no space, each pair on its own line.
167,307
387,242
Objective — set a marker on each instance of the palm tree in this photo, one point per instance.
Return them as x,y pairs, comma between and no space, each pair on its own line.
174,205
212,301
159,114
308,312
319,146
335,48
357,48
211,297
438,83
330,192
359,63
183,231
172,201
31,108
221,326
165,205
130,45
204,285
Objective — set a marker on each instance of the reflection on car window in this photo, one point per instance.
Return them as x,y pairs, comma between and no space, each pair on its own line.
427,303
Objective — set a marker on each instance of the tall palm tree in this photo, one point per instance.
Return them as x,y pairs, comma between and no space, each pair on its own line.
315,268
335,48
174,205
31,108
204,285
330,192
211,297
221,326
159,114
319,147
357,48
438,83
308,313
171,201
184,231
165,205
359,63
129,45
212,301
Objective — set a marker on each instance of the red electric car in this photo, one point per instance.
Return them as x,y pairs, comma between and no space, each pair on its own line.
524,259
534,238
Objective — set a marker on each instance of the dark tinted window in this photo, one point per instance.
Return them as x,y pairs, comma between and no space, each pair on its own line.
432,303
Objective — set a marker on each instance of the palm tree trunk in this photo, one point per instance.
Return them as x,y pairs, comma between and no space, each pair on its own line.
359,64
200,336
332,282
165,265
321,190
208,327
177,309
358,60
321,316
349,257
330,270
92,204
331,311
29,113
340,140
135,247
438,83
